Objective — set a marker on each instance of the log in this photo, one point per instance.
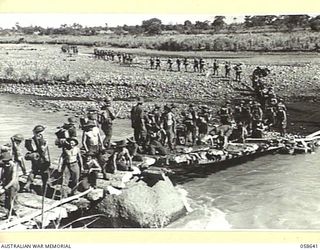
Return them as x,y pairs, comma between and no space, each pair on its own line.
307,139
38,213
317,133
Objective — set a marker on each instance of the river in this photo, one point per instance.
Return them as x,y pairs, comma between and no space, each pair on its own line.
270,192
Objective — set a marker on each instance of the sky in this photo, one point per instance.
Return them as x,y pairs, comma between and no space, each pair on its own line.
113,20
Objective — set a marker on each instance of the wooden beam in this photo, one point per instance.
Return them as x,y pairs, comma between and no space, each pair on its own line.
38,213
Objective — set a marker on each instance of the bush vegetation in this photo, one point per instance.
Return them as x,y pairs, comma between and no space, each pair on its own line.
256,33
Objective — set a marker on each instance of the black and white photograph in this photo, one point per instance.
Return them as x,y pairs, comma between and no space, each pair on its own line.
189,122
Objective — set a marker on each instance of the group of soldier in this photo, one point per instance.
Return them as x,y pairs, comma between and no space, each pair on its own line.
196,65
77,168
69,49
111,55
189,65
157,131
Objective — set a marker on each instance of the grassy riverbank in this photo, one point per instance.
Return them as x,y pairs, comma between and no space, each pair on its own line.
304,40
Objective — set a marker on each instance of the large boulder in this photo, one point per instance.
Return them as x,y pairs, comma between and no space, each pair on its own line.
144,203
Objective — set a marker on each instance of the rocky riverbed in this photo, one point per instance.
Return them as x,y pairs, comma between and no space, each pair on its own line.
37,70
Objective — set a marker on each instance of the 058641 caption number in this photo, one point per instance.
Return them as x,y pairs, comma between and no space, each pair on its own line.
308,245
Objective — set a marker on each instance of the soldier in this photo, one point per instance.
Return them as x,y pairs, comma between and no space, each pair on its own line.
138,122
119,57
130,59
246,116
106,118
178,62
225,113
191,124
258,129
203,120
185,63
201,63
91,138
215,67
237,114
66,131
227,68
71,166
151,63
170,64
16,152
40,162
91,168
257,72
281,103
124,57
281,120
157,115
96,53
133,147
263,97
271,101
71,128
195,65
240,133
155,147
169,126
75,49
224,132
271,92
9,181
257,113
121,158
238,71
92,115
158,62
112,56
270,116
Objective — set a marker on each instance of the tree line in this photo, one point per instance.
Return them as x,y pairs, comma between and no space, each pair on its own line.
154,26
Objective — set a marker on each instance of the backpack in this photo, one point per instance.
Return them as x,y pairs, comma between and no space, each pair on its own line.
105,118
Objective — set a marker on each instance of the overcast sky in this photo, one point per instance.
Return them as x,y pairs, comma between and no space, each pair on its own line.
55,20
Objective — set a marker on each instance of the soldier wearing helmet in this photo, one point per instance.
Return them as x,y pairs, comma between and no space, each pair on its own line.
138,122
41,163
106,118
238,71
281,120
225,113
257,113
227,69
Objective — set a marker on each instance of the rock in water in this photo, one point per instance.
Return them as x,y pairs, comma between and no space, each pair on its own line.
144,206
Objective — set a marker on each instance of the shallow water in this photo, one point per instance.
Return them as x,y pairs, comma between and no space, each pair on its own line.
270,192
